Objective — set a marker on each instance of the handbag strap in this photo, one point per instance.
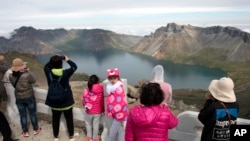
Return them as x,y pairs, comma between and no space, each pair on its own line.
17,80
228,115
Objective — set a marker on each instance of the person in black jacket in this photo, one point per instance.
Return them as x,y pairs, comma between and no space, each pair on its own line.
5,128
55,68
219,111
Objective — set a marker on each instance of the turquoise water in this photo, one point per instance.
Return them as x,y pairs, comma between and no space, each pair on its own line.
135,67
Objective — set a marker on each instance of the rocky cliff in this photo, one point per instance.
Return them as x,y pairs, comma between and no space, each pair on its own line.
184,41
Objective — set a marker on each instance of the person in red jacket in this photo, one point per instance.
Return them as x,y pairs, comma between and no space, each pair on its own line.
93,102
152,119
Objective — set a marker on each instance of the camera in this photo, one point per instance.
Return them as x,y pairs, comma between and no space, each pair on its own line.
63,57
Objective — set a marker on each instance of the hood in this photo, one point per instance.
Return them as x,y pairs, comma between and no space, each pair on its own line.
143,115
57,72
97,88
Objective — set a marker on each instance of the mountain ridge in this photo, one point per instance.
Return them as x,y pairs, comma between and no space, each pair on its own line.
184,41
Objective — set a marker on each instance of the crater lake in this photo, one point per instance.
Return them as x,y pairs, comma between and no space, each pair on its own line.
135,67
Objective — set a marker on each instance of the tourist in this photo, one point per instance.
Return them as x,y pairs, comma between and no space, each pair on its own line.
116,105
5,128
158,77
23,79
219,111
54,69
93,102
151,120
4,65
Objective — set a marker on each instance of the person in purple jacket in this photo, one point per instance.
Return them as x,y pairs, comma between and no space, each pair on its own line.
152,119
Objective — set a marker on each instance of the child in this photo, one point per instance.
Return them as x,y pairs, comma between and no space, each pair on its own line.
23,79
158,77
93,101
220,110
116,105
151,120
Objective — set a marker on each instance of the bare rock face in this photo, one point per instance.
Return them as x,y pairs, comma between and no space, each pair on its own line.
175,41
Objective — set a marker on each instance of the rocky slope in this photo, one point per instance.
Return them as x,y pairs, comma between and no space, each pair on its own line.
183,41
36,41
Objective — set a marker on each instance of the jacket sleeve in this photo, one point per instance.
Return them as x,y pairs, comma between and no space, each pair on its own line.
206,112
72,68
46,70
32,79
173,120
129,133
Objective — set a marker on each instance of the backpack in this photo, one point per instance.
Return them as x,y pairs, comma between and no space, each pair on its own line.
56,93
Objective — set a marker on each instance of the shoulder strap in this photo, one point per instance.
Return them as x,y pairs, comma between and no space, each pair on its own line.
51,78
17,79
228,115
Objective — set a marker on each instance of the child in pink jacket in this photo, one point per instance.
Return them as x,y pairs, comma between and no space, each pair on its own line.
116,103
158,77
93,102
151,120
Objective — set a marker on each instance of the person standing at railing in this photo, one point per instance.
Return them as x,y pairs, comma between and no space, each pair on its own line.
93,102
54,69
23,79
158,77
151,120
116,105
219,111
4,65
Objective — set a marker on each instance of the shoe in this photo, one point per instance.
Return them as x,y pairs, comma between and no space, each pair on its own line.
89,139
37,131
25,134
72,138
56,139
14,139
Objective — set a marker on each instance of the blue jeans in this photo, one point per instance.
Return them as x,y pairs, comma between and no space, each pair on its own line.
23,105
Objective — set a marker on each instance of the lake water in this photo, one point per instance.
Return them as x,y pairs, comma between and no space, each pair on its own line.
136,67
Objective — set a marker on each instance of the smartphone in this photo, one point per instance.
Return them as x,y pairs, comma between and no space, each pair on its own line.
63,57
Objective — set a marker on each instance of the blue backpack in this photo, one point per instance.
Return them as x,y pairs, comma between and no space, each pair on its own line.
56,93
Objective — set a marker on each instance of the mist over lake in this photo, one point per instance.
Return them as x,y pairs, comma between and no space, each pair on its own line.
135,67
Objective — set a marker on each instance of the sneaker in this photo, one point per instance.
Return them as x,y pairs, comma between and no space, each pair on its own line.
37,131
72,139
56,139
25,134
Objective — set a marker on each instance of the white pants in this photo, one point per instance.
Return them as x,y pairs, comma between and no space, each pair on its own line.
92,122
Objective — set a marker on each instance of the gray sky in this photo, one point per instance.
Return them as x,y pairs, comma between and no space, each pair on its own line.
136,17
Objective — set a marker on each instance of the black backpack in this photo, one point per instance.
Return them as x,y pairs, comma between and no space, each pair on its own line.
56,93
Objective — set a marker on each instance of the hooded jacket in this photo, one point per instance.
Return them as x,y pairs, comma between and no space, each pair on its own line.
149,123
93,100
66,74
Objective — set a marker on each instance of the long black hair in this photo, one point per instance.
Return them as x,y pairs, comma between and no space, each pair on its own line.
93,79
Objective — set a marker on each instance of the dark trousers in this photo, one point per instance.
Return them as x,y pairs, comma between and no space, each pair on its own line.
5,127
56,115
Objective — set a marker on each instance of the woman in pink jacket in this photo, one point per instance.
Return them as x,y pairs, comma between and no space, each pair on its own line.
93,101
151,120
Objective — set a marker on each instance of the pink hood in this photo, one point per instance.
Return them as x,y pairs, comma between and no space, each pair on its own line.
97,88
145,116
